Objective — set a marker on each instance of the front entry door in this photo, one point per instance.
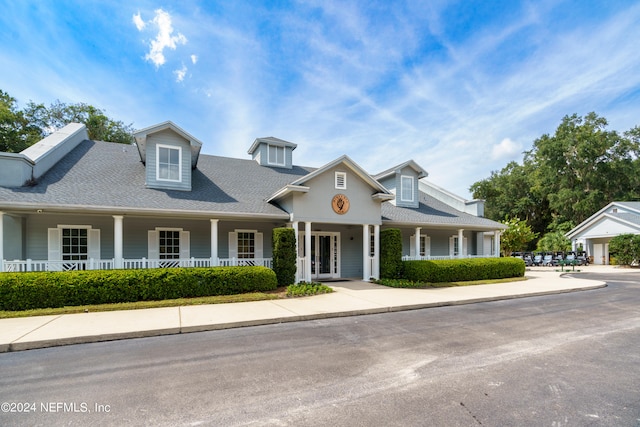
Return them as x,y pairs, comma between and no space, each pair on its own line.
325,255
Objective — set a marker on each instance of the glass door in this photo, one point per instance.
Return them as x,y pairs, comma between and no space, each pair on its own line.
325,255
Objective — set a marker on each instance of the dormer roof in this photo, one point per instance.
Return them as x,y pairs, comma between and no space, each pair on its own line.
271,141
142,134
397,169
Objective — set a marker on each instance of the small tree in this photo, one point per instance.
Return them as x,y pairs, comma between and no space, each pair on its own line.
516,236
626,248
554,241
390,253
284,255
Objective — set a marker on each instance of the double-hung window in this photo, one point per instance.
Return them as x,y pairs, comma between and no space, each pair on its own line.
169,163
169,244
75,244
246,244
276,155
406,188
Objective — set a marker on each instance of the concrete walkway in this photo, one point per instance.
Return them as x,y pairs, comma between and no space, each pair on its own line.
349,299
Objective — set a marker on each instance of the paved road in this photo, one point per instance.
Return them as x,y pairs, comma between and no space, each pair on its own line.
563,360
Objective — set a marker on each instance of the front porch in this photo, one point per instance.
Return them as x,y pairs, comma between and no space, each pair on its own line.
142,263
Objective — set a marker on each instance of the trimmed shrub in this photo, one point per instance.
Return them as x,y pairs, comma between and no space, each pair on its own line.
304,289
24,291
390,253
458,270
284,255
625,248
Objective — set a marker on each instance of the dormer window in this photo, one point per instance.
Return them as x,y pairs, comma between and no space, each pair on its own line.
169,163
341,180
406,189
276,155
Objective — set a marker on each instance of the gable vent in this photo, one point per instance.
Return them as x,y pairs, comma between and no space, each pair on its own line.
341,180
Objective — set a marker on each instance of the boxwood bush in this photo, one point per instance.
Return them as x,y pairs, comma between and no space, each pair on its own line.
24,291
457,270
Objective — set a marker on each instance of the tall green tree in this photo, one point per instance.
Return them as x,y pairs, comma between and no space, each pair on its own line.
512,192
567,176
16,131
58,114
583,166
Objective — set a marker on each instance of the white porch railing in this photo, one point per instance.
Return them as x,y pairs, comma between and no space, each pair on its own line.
141,263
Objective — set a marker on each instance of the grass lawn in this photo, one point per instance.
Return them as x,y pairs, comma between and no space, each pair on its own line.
223,299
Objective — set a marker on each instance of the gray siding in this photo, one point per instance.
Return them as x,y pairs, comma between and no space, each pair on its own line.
168,137
407,171
37,226
261,155
439,241
13,237
316,204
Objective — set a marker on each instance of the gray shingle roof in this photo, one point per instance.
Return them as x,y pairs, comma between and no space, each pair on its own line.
434,212
108,175
111,177
629,217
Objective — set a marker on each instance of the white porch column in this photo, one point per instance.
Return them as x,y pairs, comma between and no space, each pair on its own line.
307,251
366,249
460,243
294,225
416,243
117,240
496,243
376,252
214,242
1,241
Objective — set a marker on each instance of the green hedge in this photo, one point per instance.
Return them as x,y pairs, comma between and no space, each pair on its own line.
24,291
458,270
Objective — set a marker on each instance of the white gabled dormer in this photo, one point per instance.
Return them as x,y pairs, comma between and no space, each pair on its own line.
169,155
402,180
273,152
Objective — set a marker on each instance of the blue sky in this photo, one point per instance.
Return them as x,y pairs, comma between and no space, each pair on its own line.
460,87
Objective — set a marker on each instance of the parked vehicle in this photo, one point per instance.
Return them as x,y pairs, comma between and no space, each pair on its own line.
549,261
582,255
572,259
537,259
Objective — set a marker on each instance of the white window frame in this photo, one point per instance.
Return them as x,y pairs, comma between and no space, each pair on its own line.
453,246
153,249
277,148
341,180
172,255
258,243
403,196
168,147
425,243
54,242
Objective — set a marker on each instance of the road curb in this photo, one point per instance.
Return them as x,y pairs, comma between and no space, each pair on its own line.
31,345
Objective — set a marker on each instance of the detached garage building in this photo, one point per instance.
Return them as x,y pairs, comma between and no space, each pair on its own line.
595,233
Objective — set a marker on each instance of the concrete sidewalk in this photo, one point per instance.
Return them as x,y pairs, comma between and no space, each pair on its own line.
350,298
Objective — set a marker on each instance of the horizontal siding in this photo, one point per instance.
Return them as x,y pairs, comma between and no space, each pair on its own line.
167,137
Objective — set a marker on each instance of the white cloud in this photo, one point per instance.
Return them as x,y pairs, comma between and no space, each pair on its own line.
181,73
139,23
164,39
194,59
507,149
